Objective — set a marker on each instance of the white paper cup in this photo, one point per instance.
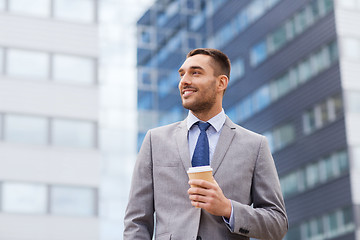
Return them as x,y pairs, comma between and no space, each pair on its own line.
202,172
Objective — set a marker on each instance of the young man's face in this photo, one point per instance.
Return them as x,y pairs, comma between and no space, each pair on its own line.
198,83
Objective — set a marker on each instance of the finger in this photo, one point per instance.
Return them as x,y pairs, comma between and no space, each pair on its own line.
202,183
198,204
198,191
198,198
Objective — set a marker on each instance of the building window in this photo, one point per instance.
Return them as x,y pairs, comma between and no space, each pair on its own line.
261,98
237,70
197,20
74,69
146,37
72,201
36,65
2,5
75,10
190,6
27,64
258,53
73,133
145,100
293,27
294,77
315,173
24,198
37,7
322,114
253,11
280,137
328,226
277,39
25,129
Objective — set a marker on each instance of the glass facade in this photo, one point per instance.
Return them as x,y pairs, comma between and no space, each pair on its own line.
25,129
23,198
27,64
315,173
241,21
289,81
79,11
280,136
40,130
297,24
322,114
75,10
36,65
36,8
38,198
327,226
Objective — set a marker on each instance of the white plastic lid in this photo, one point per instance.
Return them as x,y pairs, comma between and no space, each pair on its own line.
199,169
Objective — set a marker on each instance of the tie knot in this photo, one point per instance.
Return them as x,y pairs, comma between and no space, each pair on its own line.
203,126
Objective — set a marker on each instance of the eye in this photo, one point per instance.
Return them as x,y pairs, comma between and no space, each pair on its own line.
196,73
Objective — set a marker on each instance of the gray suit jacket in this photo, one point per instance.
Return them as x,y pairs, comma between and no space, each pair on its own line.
242,166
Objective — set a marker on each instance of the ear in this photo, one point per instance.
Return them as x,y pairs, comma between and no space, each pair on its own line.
222,83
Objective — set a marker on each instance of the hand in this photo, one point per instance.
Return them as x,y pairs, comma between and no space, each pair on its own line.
209,196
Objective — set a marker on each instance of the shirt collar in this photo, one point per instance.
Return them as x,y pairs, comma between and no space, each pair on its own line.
217,122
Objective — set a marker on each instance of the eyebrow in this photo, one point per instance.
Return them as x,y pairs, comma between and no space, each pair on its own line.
192,67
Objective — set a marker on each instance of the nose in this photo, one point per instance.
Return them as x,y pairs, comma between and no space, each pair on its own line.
185,80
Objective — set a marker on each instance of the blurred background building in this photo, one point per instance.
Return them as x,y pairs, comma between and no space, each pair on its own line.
67,117
294,78
118,113
49,115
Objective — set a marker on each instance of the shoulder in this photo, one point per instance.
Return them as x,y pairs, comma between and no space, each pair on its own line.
167,129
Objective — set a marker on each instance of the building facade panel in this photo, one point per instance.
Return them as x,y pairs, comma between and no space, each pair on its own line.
48,35
49,165
49,99
44,227
49,108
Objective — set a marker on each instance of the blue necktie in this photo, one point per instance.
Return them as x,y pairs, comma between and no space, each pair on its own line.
201,152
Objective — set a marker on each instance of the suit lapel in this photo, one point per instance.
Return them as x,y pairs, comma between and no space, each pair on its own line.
223,144
183,145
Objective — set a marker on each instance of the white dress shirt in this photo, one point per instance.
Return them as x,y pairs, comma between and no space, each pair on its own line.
213,132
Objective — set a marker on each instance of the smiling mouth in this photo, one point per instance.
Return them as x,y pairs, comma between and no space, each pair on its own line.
187,93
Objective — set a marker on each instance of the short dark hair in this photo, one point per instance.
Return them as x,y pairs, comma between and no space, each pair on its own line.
220,59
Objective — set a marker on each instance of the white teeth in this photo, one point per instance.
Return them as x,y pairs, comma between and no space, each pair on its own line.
187,92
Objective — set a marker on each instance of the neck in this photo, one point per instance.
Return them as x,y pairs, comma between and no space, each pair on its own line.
207,115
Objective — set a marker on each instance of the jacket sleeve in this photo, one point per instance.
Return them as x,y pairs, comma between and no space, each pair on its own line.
266,218
139,215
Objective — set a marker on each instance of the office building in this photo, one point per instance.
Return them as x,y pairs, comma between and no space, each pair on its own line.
294,75
118,126
49,157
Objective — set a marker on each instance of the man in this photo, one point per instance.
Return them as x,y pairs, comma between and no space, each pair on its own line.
243,169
